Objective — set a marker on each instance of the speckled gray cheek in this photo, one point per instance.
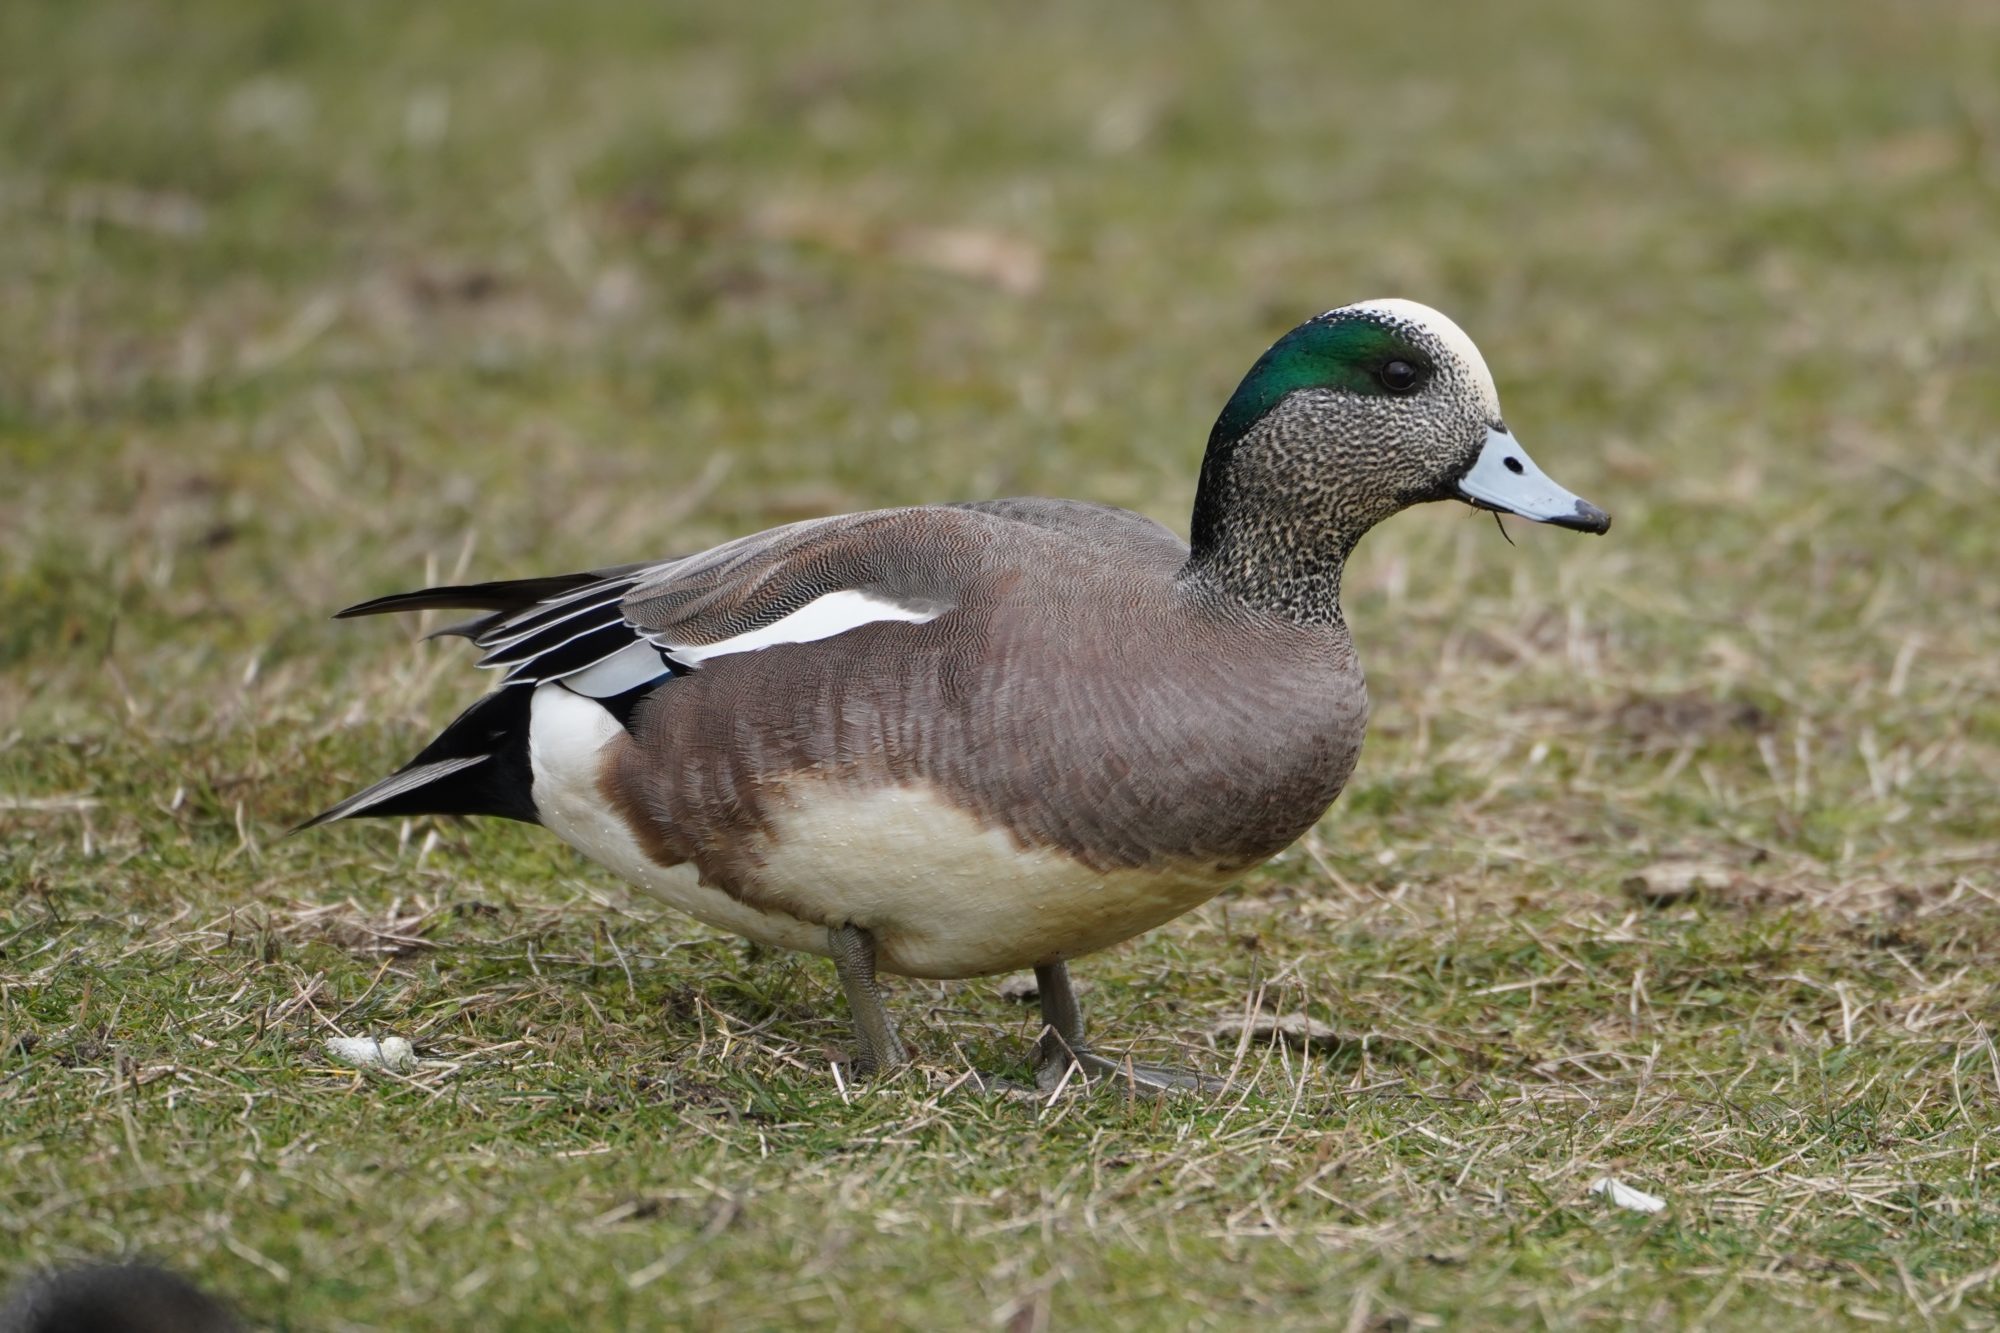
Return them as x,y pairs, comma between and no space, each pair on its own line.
1284,505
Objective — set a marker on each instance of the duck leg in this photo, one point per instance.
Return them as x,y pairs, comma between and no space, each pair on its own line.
877,1048
1062,1044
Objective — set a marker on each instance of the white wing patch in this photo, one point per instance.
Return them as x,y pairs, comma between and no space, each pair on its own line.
646,660
821,618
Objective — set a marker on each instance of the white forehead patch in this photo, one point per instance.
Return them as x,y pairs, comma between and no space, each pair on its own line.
1440,326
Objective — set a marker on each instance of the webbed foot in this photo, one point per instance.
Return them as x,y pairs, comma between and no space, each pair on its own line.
1064,1055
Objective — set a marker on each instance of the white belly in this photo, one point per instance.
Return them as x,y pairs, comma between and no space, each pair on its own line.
942,895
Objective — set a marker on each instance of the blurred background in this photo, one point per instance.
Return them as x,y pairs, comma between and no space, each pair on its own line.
300,304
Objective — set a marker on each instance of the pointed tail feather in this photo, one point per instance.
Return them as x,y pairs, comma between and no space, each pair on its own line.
477,766
396,784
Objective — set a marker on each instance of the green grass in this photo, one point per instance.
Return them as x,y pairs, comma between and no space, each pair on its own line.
308,303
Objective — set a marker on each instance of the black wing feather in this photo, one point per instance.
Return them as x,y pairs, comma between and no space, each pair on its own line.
508,595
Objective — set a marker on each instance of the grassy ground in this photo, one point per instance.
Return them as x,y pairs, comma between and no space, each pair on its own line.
308,303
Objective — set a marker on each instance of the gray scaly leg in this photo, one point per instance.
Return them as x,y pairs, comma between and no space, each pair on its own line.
1062,1022
877,1049
1062,1043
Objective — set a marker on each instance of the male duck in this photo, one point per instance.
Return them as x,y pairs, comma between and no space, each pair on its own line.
961,739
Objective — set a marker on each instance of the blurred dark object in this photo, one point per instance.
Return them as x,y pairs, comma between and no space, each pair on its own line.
114,1298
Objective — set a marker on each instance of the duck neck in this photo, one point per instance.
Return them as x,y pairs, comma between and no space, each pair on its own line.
1266,546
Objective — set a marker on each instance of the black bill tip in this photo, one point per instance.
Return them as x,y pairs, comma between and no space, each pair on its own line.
1587,518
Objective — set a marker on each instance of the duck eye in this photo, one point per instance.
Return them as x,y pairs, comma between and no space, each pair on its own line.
1399,376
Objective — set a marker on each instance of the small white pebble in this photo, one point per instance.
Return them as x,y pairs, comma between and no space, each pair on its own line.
392,1053
1624,1196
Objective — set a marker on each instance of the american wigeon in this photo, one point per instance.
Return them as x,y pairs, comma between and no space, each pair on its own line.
961,739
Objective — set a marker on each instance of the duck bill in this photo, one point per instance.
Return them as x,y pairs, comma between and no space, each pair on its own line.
1505,479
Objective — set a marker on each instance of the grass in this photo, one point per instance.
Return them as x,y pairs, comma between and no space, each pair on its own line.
308,303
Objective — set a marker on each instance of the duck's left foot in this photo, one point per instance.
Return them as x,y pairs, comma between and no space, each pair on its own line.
1001,1087
1111,1075
1063,1054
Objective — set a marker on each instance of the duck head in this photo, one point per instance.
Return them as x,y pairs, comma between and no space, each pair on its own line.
1352,416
